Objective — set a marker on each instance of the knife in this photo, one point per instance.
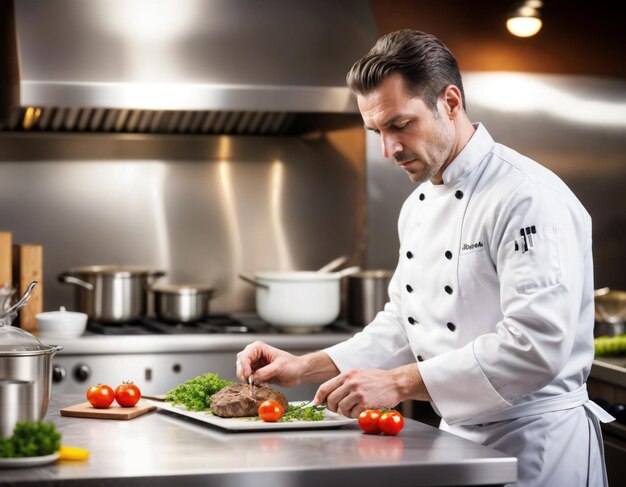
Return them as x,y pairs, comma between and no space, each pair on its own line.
154,397
252,388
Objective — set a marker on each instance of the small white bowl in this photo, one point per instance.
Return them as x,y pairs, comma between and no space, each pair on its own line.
61,324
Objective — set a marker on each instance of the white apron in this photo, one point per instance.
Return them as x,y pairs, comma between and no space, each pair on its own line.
557,442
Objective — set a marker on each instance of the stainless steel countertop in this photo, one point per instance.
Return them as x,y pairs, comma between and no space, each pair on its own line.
103,344
159,449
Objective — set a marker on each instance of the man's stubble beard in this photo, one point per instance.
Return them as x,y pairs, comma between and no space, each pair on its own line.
441,152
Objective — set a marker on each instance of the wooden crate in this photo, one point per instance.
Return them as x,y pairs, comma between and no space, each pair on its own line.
27,267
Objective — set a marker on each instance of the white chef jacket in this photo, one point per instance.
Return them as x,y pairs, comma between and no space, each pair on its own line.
493,296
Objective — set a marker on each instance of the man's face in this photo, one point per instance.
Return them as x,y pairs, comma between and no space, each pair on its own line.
419,141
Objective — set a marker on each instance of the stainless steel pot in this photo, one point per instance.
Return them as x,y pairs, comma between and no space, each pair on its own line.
181,303
610,312
24,358
111,293
366,295
17,403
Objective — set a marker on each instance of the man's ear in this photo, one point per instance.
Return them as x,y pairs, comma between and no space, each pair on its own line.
453,101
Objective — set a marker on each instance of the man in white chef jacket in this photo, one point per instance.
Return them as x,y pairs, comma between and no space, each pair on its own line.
490,314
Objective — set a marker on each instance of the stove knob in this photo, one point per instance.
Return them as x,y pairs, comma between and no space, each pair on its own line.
58,373
82,372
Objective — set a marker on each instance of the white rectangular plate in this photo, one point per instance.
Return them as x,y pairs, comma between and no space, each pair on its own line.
331,420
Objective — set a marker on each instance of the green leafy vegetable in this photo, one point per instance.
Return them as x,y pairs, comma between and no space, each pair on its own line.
195,394
302,412
31,439
605,345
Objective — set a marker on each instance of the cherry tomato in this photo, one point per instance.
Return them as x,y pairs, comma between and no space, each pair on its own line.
391,423
271,411
368,421
100,396
127,394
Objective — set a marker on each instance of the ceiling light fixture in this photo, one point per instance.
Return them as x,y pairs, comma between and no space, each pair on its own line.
525,19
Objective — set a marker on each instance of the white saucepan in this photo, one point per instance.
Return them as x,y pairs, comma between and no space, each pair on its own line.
298,301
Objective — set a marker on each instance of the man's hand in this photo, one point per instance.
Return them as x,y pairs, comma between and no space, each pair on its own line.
268,365
354,391
271,365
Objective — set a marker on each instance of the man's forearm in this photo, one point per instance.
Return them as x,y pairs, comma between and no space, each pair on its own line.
317,367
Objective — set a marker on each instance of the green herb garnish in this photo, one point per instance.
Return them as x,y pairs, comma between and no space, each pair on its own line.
302,412
31,439
195,394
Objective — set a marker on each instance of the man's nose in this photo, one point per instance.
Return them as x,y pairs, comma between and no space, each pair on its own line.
391,145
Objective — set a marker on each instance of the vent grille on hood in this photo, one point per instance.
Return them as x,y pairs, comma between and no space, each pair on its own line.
58,119
178,66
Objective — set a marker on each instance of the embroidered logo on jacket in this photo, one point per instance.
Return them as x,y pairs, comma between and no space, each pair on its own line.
473,246
527,241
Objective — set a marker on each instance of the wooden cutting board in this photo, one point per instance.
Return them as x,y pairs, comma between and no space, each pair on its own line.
86,410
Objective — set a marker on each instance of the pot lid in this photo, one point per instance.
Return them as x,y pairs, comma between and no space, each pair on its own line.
61,314
14,339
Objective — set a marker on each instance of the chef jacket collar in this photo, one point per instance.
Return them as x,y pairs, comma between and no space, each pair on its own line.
479,145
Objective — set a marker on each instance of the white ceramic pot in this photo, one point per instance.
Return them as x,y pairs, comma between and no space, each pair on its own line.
299,301
61,324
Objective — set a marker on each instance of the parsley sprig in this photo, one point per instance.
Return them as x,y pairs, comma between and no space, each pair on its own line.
195,394
31,439
303,412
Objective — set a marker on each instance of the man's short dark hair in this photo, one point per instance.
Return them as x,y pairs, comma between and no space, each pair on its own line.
425,63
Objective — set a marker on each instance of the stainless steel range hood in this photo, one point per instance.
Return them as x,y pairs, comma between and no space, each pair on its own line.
191,66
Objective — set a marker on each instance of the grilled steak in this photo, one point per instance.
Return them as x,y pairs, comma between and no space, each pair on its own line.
236,400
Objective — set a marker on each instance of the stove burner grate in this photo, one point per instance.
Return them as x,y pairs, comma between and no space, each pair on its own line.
228,324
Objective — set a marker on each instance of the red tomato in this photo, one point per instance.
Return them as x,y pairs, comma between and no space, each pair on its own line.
368,421
391,423
127,394
100,396
271,411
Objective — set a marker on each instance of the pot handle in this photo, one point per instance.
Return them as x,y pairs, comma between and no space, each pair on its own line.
69,279
252,280
601,292
21,302
152,277
347,272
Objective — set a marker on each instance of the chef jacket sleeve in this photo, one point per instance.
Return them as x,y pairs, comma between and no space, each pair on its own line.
541,290
383,344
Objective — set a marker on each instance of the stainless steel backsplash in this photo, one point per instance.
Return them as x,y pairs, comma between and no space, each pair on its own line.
200,208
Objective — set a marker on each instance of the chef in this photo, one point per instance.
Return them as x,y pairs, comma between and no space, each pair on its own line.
490,314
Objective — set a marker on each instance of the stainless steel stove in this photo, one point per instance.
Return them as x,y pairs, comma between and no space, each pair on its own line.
158,355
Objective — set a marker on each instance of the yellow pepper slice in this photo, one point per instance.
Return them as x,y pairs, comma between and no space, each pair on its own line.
73,453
